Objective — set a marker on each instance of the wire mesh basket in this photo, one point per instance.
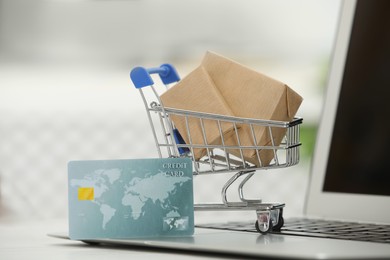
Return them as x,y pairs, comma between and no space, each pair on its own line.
278,146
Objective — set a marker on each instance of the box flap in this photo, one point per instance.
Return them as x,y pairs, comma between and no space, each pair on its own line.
293,101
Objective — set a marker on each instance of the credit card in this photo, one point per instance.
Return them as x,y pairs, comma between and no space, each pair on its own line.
130,198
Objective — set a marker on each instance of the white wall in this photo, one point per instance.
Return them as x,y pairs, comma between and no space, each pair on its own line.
65,92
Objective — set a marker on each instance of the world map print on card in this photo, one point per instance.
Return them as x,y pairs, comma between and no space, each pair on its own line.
130,198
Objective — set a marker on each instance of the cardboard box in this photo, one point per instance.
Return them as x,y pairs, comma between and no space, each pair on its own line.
222,86
196,92
250,94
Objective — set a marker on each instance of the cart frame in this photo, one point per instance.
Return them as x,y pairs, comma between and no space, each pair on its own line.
169,143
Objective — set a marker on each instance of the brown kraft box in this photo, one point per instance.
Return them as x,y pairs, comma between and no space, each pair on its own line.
250,94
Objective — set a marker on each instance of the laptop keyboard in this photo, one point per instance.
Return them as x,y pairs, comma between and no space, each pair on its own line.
319,228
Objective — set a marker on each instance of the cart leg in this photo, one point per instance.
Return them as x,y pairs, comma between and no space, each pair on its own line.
227,185
241,188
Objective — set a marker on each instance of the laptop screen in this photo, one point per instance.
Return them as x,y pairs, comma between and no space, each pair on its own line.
360,148
349,174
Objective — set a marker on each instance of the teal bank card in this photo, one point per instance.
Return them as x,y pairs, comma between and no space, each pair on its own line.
130,198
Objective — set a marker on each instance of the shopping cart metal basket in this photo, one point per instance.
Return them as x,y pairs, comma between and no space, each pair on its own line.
217,158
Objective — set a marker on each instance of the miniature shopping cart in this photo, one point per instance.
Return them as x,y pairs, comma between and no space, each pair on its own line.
217,157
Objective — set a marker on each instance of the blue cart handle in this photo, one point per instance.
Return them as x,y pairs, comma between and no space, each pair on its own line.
141,76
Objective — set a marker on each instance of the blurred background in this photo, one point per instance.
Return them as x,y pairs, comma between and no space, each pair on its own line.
65,92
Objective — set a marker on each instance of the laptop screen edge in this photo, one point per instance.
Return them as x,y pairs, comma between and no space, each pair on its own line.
344,206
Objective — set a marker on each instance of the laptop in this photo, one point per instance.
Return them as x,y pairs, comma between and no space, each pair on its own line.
349,186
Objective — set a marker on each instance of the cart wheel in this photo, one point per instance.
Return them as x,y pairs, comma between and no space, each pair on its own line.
264,230
280,224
